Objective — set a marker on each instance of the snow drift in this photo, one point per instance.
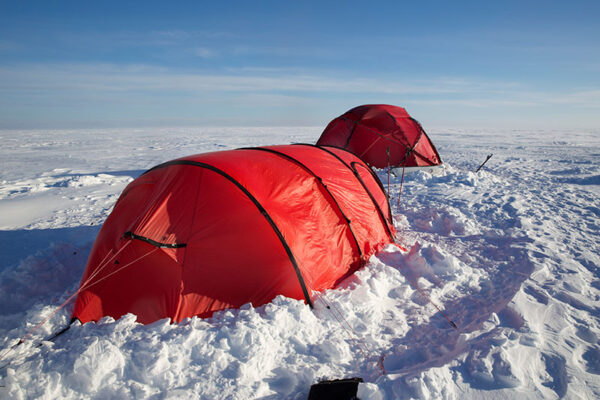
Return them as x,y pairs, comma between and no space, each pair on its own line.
510,253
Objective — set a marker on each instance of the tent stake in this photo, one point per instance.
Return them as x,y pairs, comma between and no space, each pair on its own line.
486,160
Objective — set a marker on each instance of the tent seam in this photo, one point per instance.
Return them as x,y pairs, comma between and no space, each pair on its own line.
320,182
260,208
357,176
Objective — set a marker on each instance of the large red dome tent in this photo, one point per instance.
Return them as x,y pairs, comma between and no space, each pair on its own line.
218,230
383,136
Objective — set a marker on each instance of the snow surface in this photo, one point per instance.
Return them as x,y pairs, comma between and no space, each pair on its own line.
510,254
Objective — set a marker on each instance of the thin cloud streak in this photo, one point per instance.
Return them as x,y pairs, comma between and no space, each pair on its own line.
99,92
32,79
142,78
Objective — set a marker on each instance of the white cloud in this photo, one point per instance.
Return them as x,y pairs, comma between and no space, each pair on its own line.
583,98
204,52
154,92
112,78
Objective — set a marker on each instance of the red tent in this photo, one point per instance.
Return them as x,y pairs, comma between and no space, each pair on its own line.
218,230
371,131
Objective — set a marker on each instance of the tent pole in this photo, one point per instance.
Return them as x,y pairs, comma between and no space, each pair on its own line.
408,150
388,171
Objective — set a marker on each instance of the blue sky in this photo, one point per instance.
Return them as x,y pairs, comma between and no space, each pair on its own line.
505,64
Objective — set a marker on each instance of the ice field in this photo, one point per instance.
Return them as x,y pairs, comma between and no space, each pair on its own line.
510,253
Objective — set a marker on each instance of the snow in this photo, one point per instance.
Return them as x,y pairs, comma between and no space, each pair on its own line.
510,254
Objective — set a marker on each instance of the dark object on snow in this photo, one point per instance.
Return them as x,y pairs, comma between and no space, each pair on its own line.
337,389
486,160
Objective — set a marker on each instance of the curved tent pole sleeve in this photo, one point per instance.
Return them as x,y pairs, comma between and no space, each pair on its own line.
422,157
384,220
354,125
353,165
408,151
261,209
411,149
320,182
322,147
375,132
421,130
396,123
423,133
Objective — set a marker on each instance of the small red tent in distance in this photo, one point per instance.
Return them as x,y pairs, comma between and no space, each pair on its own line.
382,135
218,230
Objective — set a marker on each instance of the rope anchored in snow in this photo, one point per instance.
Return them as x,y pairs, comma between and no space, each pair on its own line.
416,286
362,347
84,285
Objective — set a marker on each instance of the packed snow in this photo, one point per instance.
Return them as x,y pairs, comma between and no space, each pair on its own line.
510,254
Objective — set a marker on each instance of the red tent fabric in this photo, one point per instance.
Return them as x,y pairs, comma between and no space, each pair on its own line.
218,230
370,131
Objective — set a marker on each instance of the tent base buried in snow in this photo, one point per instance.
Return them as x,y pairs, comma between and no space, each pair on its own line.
383,136
218,230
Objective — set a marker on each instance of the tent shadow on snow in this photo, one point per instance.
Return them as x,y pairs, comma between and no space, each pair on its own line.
436,343
17,245
35,264
134,173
